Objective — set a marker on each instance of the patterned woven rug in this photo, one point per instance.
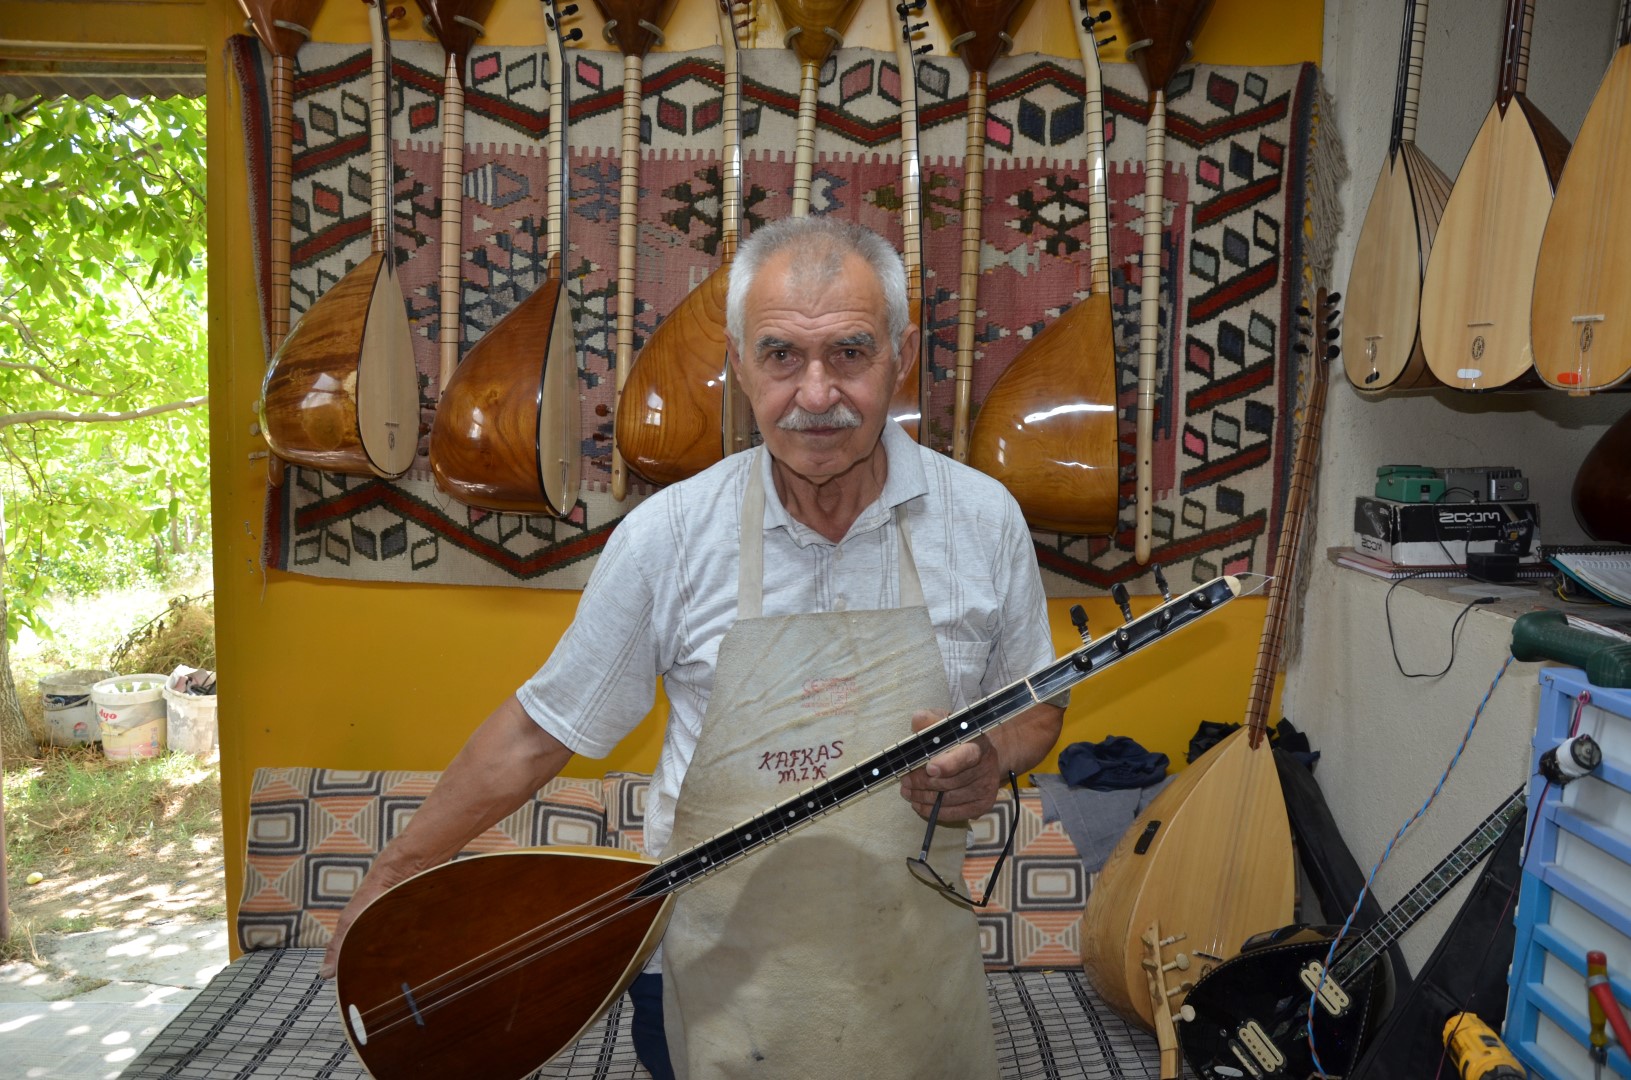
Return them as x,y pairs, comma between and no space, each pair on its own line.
1242,158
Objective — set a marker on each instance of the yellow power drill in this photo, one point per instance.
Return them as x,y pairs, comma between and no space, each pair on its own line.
1477,1052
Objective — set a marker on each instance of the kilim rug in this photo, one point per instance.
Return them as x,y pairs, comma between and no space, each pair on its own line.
1242,159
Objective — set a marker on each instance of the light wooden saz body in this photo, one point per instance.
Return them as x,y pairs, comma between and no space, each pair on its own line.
1381,335
1047,429
506,434
1480,281
342,392
1217,869
1382,328
1581,320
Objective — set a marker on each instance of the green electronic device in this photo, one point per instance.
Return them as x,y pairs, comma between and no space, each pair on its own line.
1409,484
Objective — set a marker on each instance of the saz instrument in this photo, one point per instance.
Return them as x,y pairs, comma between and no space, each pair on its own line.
1251,1014
907,407
979,34
283,26
533,946
680,409
506,431
342,392
457,25
1161,32
814,29
1047,429
1304,464
1480,281
1382,325
1602,487
1580,324
634,26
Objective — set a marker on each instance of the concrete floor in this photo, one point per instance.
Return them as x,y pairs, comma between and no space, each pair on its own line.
101,996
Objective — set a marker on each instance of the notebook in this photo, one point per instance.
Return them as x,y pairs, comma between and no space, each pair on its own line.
1602,570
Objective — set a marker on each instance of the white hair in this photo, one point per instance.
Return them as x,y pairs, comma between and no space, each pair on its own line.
820,245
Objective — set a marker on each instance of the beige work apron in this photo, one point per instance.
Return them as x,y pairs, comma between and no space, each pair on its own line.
819,955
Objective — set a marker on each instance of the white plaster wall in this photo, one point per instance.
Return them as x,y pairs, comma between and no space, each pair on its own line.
1386,738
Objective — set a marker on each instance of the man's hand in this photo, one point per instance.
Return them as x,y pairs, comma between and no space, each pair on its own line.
379,879
968,774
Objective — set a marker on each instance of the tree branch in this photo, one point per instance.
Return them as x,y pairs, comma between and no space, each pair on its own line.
18,365
100,417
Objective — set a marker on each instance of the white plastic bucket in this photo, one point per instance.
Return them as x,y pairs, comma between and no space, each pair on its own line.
189,723
130,711
70,717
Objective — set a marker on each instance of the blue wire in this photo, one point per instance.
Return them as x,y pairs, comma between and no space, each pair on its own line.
1313,998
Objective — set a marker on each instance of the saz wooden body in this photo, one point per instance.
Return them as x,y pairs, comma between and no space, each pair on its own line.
1382,334
1210,859
1382,325
672,417
342,392
506,434
490,912
1048,427
1581,319
1602,487
1475,302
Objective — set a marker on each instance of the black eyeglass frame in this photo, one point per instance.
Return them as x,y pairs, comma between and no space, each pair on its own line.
927,874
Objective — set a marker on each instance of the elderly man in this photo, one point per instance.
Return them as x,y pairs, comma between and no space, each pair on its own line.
810,600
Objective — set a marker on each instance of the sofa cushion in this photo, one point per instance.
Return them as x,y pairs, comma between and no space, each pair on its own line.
313,834
268,1015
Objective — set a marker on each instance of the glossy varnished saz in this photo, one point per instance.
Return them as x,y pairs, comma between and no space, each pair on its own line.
506,434
1047,429
1475,301
679,410
342,392
1382,326
1580,324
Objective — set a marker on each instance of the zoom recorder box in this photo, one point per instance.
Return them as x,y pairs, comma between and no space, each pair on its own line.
1437,534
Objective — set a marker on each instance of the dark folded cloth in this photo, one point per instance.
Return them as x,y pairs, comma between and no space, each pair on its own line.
1115,764
1094,820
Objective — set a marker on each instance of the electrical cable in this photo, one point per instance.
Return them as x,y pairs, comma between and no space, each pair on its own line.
1336,942
1455,628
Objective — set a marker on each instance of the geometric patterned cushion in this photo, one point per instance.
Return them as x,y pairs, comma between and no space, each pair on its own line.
313,834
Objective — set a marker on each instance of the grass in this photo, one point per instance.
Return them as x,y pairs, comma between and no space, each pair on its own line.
114,842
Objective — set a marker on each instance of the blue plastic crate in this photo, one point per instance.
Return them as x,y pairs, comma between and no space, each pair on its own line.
1576,891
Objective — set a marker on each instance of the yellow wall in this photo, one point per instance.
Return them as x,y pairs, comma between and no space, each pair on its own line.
345,675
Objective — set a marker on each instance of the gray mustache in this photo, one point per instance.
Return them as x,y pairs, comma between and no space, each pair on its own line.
839,416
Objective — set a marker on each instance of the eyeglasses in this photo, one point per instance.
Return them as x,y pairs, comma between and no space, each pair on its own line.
925,873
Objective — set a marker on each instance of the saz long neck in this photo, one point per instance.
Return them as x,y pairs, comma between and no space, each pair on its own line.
1412,47
555,140
911,179
1098,202
1514,77
1623,37
1428,891
381,167
730,167
881,769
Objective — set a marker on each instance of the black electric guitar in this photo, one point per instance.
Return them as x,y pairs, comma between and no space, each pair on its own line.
1250,1015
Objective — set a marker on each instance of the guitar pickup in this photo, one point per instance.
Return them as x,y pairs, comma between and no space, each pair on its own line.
1263,1052
1332,998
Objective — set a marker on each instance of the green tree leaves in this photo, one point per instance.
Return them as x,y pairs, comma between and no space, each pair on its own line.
103,352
